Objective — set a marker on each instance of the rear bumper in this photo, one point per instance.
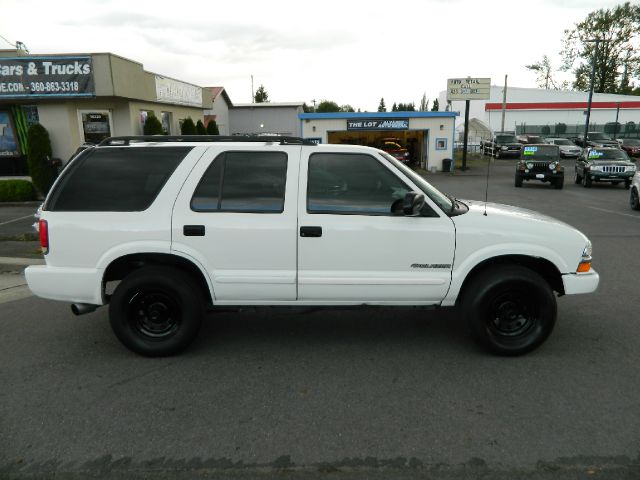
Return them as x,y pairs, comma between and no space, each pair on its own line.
576,283
74,285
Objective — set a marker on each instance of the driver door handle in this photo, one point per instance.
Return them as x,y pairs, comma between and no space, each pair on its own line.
310,231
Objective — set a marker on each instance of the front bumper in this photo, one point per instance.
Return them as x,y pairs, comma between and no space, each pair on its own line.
598,176
576,283
74,285
538,175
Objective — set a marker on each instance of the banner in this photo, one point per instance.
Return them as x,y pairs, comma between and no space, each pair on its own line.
31,77
377,124
169,90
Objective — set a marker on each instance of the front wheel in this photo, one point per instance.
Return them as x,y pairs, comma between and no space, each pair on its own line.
627,184
586,181
518,180
510,309
156,311
558,183
577,178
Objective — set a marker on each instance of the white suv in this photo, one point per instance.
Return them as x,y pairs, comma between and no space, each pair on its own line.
178,225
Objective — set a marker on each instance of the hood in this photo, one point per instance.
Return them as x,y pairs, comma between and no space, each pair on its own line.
507,230
622,163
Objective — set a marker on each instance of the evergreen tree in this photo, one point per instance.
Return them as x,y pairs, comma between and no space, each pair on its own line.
424,103
261,95
436,106
200,130
39,152
188,127
382,107
152,125
394,107
212,128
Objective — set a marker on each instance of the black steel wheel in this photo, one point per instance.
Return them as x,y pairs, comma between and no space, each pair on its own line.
634,200
510,309
156,311
558,183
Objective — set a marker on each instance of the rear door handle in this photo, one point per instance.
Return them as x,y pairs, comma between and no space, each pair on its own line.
310,231
193,230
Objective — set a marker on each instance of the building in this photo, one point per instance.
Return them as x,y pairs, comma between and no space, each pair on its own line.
427,135
82,98
529,110
267,118
220,111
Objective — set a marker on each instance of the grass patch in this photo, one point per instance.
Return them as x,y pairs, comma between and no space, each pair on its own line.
16,191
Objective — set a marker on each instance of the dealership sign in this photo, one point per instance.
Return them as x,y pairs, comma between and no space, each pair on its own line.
169,90
377,124
468,88
22,77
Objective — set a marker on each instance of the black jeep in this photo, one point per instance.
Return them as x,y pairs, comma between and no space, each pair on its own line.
540,162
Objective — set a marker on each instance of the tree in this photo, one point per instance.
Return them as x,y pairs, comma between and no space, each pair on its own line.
424,103
326,106
152,125
618,58
560,128
212,128
188,127
200,130
306,108
630,127
546,130
261,95
39,153
382,107
544,77
436,106
346,108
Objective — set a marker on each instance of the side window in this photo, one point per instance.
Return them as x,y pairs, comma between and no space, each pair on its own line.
250,182
355,184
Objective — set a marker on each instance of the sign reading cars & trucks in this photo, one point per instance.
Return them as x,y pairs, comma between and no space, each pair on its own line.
468,88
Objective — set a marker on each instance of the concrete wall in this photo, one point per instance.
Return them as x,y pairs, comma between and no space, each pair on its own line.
265,119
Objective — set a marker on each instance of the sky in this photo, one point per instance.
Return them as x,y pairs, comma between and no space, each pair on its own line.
349,52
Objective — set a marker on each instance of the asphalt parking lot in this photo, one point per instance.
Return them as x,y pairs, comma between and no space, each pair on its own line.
384,393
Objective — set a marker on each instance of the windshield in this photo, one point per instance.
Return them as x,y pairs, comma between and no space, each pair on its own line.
631,141
598,136
540,152
612,154
563,141
506,139
429,190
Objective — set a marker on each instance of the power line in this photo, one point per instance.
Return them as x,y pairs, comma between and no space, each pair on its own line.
18,45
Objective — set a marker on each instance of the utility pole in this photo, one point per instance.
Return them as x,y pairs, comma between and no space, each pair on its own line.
615,125
593,78
504,103
466,134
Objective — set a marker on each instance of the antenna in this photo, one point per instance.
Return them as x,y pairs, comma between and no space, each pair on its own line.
486,190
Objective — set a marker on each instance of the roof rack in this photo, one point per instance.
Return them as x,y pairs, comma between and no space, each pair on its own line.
128,140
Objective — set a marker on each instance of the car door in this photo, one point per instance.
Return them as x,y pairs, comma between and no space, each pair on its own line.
236,216
353,249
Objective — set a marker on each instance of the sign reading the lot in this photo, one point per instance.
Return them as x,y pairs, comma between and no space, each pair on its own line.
468,88
46,76
377,124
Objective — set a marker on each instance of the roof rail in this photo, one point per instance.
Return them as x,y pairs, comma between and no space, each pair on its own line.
128,140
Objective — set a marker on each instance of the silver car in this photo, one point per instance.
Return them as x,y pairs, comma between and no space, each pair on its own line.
568,149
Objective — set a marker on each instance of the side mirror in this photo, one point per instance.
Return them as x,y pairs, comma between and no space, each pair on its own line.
412,204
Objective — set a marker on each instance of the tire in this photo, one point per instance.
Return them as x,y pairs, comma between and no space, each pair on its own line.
627,184
497,154
634,201
156,311
510,309
558,183
586,181
577,178
518,180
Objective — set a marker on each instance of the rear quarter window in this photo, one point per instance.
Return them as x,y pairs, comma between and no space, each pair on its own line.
115,179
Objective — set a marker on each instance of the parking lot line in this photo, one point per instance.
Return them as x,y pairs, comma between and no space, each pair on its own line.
617,213
15,220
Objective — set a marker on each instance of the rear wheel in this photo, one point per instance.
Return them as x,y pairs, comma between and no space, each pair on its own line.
634,200
558,183
510,309
156,311
518,180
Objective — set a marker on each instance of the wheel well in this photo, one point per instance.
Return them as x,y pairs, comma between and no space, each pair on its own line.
123,266
542,267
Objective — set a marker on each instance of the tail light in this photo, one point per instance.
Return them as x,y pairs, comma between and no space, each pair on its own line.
43,228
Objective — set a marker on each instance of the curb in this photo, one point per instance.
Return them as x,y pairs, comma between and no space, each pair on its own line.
34,203
18,264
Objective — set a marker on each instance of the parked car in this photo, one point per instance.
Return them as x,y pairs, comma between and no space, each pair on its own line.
596,139
610,165
529,139
634,194
501,145
568,149
631,146
393,147
201,223
540,162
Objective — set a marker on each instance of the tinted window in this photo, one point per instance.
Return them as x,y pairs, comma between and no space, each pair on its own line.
351,184
612,154
243,182
540,152
114,179
506,139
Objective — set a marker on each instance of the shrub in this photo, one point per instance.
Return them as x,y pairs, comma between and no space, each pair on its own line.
212,128
15,190
546,130
152,125
200,130
188,127
39,148
560,128
630,127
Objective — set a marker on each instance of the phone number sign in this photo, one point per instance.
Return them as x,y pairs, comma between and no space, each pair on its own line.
31,77
468,88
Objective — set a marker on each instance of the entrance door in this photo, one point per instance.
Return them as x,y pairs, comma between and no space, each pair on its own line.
236,215
353,248
95,125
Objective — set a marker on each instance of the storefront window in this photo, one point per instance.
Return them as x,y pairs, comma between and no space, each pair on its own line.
96,126
8,142
144,114
166,122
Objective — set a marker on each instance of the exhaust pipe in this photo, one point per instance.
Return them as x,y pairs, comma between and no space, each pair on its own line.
82,308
